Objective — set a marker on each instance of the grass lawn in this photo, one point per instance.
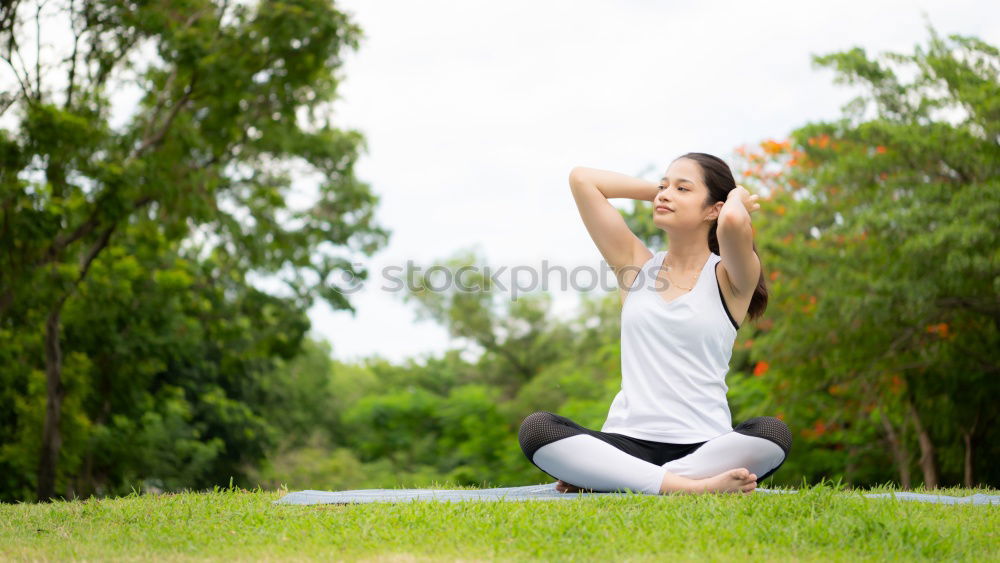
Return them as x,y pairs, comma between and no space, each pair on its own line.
820,523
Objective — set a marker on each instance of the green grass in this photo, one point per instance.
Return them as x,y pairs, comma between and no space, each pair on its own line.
820,523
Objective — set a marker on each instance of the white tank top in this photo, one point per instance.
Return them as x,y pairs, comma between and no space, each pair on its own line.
675,356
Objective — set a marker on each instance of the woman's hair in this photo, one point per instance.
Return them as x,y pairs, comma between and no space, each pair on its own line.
719,179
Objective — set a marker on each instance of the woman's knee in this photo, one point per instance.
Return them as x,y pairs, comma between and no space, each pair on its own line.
769,428
539,429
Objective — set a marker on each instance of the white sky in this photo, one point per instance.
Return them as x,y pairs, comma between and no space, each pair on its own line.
476,111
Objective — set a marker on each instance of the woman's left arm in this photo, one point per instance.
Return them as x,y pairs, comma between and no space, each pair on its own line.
735,236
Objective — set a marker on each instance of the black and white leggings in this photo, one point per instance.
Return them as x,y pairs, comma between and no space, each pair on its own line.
606,461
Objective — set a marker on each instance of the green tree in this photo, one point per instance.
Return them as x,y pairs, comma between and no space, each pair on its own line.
234,100
517,330
883,237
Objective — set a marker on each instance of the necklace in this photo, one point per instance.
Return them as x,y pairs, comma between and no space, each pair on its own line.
669,267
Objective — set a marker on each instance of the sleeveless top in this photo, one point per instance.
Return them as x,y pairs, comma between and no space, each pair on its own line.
674,358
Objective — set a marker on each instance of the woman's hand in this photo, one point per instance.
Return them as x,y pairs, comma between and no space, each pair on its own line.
748,200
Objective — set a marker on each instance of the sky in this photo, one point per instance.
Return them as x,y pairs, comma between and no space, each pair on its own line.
474,113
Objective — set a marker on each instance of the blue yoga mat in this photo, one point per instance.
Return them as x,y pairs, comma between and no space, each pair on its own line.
547,492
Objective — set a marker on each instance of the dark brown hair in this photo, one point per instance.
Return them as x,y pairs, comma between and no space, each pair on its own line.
720,181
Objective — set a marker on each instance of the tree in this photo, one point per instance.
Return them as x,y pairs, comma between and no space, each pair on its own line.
519,331
880,232
234,100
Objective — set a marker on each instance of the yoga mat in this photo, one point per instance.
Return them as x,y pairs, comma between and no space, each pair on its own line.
547,492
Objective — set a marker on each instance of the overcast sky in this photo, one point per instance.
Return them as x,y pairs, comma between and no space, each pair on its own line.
476,111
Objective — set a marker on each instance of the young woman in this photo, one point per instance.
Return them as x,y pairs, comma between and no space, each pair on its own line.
669,427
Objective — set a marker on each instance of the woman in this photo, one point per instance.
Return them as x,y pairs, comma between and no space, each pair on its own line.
669,428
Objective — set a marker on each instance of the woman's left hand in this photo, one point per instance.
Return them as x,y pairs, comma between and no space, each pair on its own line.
749,200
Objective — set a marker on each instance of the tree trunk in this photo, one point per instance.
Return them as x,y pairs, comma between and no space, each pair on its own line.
51,437
927,457
967,478
899,453
969,436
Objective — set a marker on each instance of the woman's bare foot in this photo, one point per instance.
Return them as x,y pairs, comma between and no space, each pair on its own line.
732,481
564,487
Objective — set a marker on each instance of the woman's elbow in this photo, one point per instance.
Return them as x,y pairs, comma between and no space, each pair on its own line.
577,175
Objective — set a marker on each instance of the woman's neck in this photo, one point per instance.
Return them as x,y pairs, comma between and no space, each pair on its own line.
688,253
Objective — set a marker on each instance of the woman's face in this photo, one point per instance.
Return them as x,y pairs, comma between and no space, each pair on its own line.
680,201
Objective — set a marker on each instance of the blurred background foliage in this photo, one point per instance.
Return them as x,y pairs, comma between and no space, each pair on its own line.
135,351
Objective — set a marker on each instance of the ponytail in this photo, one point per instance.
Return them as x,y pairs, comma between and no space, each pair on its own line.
758,303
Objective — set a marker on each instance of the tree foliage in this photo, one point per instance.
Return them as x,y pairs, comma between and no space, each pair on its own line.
880,234
129,249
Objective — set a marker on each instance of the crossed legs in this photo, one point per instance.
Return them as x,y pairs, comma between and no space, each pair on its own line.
731,462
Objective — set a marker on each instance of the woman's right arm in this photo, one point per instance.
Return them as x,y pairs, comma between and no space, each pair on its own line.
592,188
